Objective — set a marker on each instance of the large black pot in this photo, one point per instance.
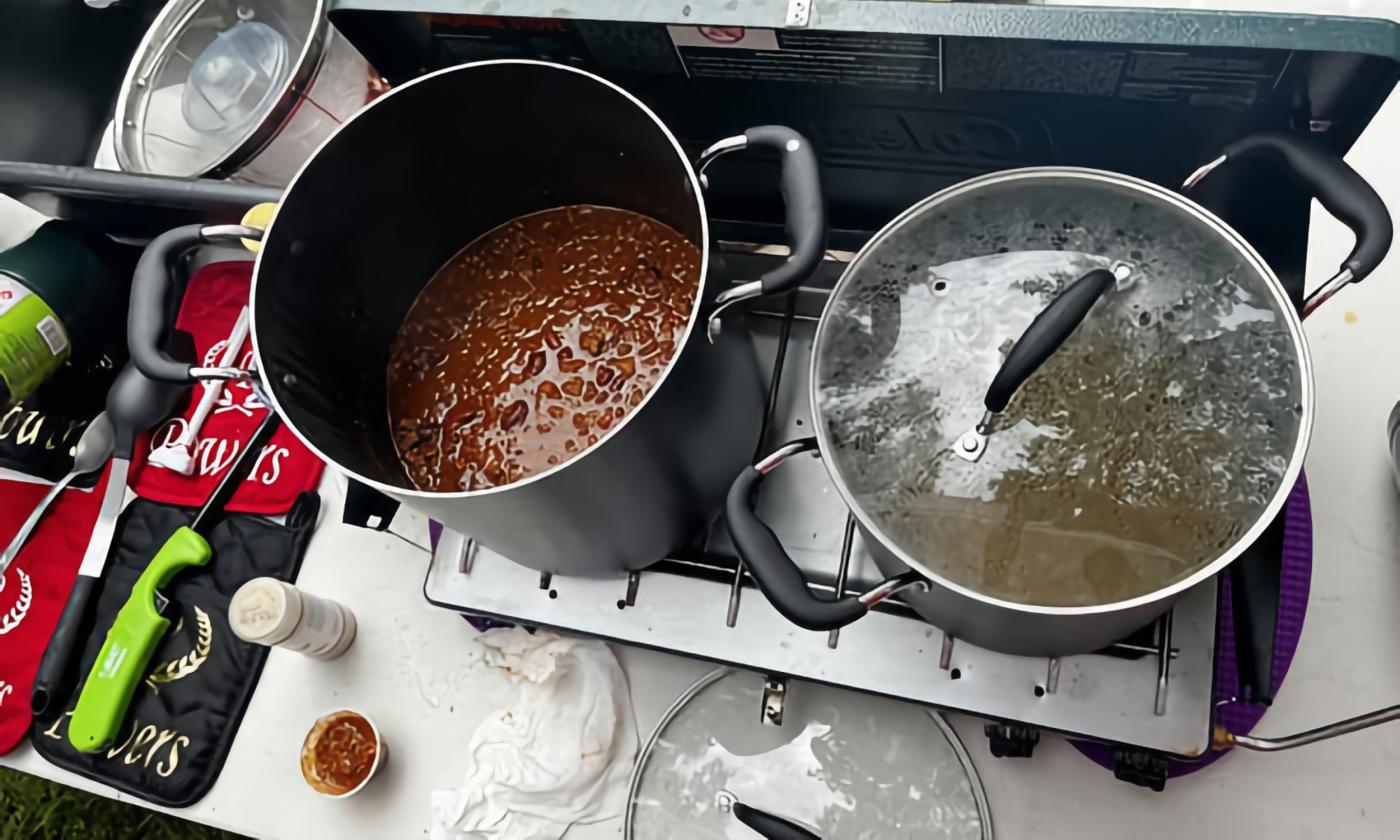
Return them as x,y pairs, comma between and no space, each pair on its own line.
399,189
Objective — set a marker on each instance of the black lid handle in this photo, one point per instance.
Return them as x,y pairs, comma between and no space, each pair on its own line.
770,826
1042,338
778,577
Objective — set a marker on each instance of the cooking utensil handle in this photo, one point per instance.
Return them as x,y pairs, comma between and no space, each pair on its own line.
147,319
804,208
1256,578
51,677
1044,336
769,826
778,577
32,521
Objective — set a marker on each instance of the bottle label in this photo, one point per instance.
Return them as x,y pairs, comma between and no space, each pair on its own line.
33,341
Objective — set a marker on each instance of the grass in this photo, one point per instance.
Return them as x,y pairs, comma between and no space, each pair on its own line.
35,808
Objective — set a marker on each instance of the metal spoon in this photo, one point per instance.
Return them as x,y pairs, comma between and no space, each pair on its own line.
91,453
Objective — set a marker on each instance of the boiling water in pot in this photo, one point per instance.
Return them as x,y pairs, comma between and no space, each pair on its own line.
1145,447
534,341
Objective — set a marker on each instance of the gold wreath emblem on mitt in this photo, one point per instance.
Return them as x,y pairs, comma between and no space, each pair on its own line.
12,619
178,669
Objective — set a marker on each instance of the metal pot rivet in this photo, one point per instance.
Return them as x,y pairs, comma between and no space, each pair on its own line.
940,284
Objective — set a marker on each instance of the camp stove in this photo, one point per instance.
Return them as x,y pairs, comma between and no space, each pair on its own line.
1150,693
900,99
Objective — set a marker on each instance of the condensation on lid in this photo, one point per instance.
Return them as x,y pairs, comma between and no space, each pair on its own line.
1144,448
847,764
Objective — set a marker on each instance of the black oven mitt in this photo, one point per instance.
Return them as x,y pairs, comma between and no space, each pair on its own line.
184,716
38,434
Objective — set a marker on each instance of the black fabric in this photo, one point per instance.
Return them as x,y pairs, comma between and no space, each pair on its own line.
37,435
183,719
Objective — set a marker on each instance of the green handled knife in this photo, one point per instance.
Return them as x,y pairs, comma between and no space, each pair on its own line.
139,626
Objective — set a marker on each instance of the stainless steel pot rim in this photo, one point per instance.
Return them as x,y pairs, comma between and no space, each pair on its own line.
1249,255
171,20
696,304
979,792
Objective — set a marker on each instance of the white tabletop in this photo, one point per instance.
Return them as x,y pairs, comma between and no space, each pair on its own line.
408,666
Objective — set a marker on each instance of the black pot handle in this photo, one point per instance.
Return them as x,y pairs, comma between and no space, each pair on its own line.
803,205
147,319
771,827
1338,187
1042,338
778,577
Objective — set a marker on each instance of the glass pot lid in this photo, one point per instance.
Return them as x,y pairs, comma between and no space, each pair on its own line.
208,80
1162,435
841,764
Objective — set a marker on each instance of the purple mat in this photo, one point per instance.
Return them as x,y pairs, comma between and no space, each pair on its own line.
1239,717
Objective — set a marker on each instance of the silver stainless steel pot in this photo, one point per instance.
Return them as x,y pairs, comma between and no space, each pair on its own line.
399,189
237,88
1055,399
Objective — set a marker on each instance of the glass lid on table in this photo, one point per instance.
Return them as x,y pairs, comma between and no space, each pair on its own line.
1139,451
205,82
839,765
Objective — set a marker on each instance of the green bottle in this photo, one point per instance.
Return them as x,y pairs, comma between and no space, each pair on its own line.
58,297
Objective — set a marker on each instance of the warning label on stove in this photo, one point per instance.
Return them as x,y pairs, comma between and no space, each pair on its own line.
1210,78
841,58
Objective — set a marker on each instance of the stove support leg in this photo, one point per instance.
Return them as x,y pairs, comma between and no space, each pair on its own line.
847,540
634,580
1164,659
731,615
1052,675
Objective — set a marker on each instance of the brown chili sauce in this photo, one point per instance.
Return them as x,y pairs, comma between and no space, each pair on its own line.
533,341
340,753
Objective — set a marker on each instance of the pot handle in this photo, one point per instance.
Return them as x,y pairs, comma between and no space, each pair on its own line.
803,204
1338,187
146,320
1042,338
778,577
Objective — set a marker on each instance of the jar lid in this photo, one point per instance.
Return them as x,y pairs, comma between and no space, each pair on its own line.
1163,435
264,611
842,763
212,82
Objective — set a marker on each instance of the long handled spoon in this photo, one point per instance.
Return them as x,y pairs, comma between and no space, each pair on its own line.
89,456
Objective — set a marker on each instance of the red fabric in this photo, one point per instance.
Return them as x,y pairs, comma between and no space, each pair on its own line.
213,299
35,588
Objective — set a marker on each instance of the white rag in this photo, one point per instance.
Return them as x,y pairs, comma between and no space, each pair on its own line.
559,753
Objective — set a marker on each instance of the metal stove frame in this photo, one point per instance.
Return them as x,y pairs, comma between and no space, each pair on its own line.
1151,694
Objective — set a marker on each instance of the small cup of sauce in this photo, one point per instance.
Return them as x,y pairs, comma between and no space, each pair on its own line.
341,753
